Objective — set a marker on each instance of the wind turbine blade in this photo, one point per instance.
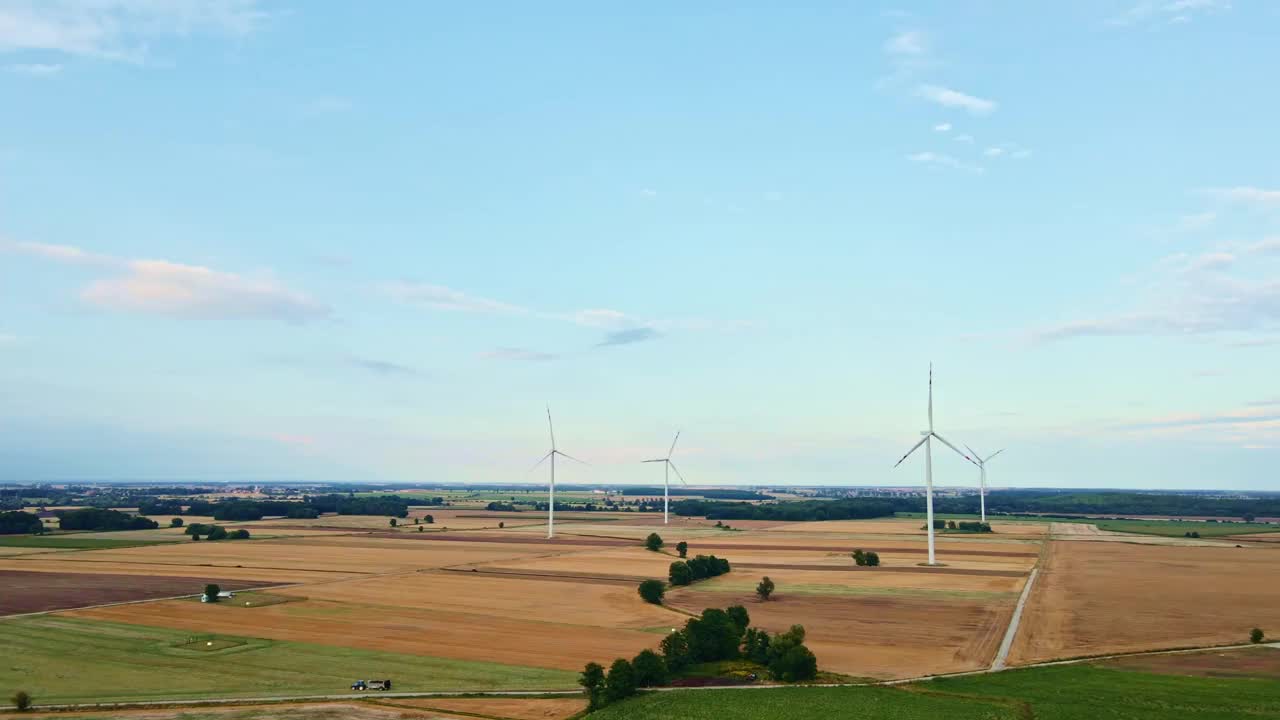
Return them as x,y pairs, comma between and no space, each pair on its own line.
673,444
654,460
567,455
535,466
994,454
975,454
551,428
930,397
913,449
953,447
673,467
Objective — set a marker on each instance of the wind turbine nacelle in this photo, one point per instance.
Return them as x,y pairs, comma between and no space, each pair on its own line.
925,433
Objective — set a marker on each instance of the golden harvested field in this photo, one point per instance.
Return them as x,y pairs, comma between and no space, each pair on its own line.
421,630
881,637
913,582
1094,598
81,563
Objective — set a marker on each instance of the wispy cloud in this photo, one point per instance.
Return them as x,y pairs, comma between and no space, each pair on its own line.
382,367
518,355
946,97
1176,12
1248,195
441,297
1195,295
629,336
909,54
910,42
942,127
35,69
119,29
169,288
941,160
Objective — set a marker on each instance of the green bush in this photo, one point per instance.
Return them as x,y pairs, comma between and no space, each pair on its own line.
211,592
620,683
592,680
679,573
650,669
765,588
653,542
1256,636
21,701
682,548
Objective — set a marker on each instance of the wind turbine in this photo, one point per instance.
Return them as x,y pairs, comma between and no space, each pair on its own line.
927,442
551,494
668,466
981,462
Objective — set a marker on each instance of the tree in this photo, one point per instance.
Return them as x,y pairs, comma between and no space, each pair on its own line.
1195,534
592,680
859,557
650,669
713,636
211,592
653,542
755,645
217,532
682,547
393,522
429,520
16,522
873,559
951,525
1248,517
21,701
675,650
419,528
739,616
195,538
652,591
417,521
501,525
176,522
765,588
679,573
620,683
238,534
789,659
1256,636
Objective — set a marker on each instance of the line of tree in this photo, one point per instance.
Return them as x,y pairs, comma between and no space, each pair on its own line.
102,520
215,532
866,558
723,494
685,572
791,511
17,522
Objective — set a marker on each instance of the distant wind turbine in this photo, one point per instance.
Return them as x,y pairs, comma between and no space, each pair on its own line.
981,462
927,442
668,466
551,494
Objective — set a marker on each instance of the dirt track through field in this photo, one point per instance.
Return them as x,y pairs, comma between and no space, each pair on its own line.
883,569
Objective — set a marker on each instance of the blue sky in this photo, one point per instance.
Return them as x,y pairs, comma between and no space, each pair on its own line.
250,239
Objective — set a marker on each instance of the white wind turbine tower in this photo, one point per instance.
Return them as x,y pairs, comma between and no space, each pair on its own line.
927,442
981,462
668,466
551,494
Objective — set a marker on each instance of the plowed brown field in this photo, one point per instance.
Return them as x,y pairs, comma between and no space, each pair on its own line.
878,637
1095,598
26,592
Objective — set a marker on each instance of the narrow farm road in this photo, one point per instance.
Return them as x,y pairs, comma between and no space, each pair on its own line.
1003,654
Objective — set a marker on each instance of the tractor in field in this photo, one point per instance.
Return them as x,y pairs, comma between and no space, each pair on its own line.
371,685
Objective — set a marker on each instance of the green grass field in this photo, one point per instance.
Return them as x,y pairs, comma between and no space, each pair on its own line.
73,542
1178,528
69,660
1072,692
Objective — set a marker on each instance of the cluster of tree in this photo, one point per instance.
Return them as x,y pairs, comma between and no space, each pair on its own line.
215,532
505,507
653,542
785,654
968,526
684,572
723,494
866,558
102,520
1192,534
17,522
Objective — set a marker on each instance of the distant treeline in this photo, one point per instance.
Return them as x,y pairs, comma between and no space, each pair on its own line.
709,494
309,507
19,523
102,520
1010,502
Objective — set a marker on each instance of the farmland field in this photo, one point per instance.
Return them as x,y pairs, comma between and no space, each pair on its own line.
26,592
1097,598
60,659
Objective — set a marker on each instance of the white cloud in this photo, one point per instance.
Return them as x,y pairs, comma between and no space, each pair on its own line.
947,97
942,127
446,298
169,288
1270,246
1248,195
35,69
932,158
911,42
118,29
